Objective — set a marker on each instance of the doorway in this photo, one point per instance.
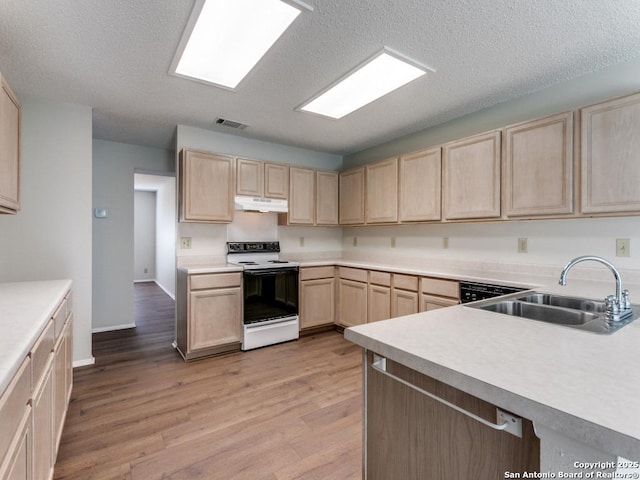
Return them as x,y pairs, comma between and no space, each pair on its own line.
155,230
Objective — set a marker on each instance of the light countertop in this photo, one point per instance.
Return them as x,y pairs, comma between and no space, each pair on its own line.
25,308
582,384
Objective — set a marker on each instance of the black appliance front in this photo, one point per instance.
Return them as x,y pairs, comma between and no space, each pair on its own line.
270,294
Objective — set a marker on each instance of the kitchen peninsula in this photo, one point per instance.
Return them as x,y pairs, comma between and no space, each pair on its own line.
580,390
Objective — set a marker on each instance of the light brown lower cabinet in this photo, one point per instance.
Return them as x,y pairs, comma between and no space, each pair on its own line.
379,303
209,314
43,430
352,297
404,297
411,436
18,465
438,293
317,297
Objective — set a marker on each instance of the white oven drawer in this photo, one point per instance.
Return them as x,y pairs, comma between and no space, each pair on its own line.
267,333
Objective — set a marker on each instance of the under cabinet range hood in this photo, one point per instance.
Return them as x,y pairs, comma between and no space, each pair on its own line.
261,204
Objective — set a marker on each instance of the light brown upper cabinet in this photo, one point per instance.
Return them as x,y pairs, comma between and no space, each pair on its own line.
326,198
420,186
259,179
276,181
610,156
9,149
351,197
382,192
302,196
538,167
471,177
207,182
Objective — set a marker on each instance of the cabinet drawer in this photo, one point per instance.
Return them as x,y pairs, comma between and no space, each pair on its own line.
59,317
439,286
405,282
380,278
215,280
314,273
41,352
13,404
355,274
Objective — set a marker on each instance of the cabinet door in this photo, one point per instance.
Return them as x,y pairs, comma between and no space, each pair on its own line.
352,197
326,198
301,196
18,461
43,429
68,333
379,303
403,303
382,192
9,149
317,302
429,440
249,177
432,302
538,167
610,152
353,303
471,179
276,181
215,317
420,186
207,185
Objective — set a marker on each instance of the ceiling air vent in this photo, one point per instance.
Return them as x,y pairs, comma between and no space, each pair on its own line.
230,123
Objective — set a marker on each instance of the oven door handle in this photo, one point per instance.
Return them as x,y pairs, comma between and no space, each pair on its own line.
271,271
259,327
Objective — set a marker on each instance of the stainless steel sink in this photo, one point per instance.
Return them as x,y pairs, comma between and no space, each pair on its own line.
575,303
574,312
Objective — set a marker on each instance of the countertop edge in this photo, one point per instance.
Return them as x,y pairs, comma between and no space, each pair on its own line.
566,424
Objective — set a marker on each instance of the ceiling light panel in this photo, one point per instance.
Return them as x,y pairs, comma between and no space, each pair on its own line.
376,77
225,39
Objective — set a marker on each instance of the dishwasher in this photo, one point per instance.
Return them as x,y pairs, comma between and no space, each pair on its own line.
473,291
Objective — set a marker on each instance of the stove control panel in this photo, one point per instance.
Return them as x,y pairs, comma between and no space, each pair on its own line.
253,247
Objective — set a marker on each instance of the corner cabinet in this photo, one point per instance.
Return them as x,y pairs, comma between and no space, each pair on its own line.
209,314
9,149
610,156
471,178
538,167
427,439
207,186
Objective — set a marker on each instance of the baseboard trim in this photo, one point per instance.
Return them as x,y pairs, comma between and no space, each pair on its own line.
84,363
173,297
113,327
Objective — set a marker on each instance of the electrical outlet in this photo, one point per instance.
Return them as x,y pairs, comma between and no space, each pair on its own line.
514,423
146,270
302,241
523,246
355,241
623,247
393,242
185,242
445,242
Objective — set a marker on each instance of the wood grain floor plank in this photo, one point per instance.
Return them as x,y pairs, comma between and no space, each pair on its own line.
289,411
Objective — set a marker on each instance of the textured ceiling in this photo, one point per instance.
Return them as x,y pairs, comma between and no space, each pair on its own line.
115,55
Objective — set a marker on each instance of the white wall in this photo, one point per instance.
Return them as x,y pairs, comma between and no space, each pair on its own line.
113,171
50,237
209,240
144,236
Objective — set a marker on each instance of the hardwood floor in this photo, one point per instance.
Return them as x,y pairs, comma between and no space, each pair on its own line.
285,412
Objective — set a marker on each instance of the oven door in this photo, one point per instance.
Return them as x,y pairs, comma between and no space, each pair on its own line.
270,294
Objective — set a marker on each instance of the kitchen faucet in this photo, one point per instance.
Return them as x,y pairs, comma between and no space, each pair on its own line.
618,306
